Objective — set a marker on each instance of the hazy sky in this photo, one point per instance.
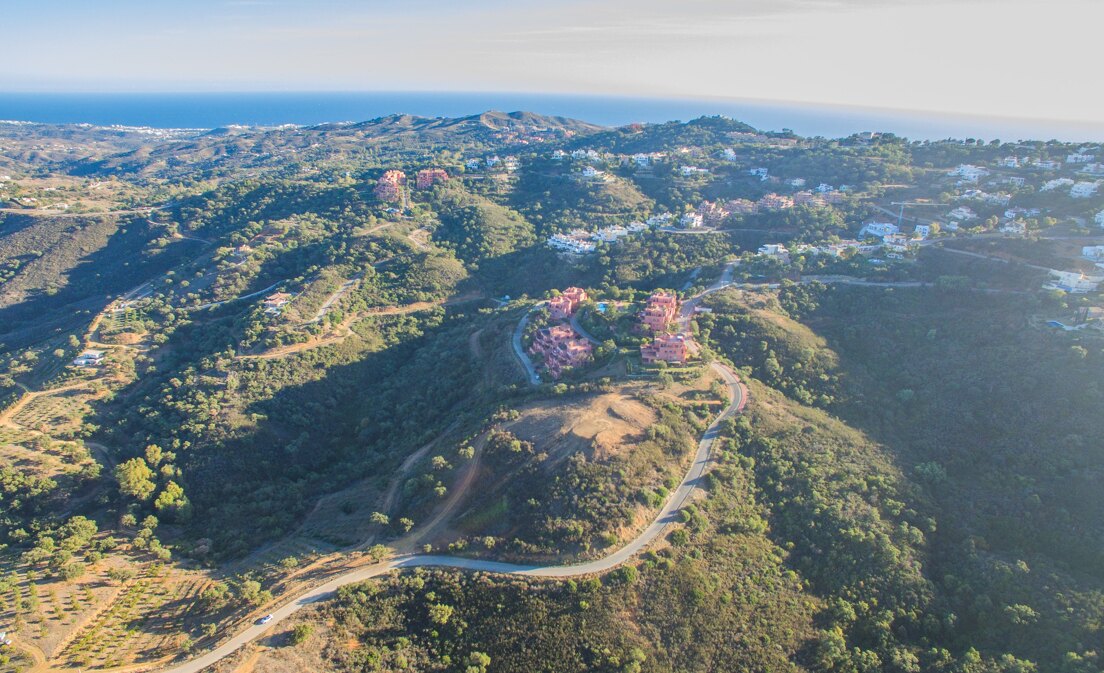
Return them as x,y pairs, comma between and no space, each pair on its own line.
996,57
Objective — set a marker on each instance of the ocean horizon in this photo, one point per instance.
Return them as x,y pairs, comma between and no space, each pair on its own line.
213,110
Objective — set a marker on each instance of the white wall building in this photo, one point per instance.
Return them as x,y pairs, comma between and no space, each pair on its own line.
774,250
1083,190
1073,282
1051,185
692,220
572,242
89,359
879,229
1093,252
969,172
962,214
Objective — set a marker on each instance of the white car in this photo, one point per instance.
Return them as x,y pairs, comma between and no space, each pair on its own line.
264,620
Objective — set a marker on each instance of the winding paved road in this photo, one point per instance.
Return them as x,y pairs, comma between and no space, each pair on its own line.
738,396
519,348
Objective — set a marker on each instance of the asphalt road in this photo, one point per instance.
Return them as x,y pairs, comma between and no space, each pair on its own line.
519,348
668,514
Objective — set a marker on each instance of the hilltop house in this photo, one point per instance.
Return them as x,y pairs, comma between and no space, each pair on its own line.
89,358
660,311
673,348
561,347
565,305
275,303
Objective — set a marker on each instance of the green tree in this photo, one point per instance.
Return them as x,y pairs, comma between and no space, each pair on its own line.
135,479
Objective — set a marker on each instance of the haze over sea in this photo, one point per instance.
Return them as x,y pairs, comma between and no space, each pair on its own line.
211,110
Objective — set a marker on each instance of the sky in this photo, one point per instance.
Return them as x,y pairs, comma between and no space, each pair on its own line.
1009,58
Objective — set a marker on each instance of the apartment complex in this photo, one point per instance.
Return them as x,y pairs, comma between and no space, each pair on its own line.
561,348
390,186
672,348
427,177
565,305
660,311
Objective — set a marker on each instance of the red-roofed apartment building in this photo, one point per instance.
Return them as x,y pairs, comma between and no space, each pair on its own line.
660,311
389,187
561,348
673,348
427,177
565,305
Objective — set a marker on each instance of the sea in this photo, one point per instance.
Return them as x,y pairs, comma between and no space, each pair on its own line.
213,110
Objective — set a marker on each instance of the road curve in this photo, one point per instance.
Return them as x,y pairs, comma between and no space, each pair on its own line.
691,481
519,348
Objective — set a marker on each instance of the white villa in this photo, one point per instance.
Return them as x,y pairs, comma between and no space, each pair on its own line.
1051,185
775,251
89,358
1093,252
969,172
692,220
962,213
879,229
1073,282
575,242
